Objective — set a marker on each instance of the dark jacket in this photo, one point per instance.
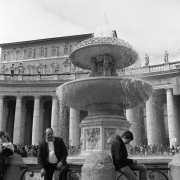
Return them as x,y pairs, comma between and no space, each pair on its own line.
23,153
60,152
119,154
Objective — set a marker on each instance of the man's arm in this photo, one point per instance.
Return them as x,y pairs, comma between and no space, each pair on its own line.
40,156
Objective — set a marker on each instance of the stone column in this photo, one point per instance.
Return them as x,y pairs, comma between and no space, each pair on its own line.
74,129
54,116
23,117
136,118
155,121
5,113
47,115
173,123
28,124
41,120
36,123
10,119
1,112
17,134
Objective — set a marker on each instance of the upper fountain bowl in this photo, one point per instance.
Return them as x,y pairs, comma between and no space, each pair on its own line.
123,53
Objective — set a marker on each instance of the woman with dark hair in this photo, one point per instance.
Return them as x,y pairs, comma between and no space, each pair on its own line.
8,147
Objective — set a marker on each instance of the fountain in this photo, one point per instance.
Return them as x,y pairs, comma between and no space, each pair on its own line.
104,94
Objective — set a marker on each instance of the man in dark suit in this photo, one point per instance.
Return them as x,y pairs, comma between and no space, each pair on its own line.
52,154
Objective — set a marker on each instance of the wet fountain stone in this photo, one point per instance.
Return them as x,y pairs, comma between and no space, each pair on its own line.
104,94
98,166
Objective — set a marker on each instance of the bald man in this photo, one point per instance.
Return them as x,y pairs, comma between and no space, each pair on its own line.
52,154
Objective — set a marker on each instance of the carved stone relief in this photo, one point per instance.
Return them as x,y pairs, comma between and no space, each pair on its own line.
109,136
92,138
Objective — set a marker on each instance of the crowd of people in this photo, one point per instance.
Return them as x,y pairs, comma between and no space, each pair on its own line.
145,150
31,151
141,150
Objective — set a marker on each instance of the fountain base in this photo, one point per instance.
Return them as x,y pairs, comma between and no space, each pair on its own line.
98,132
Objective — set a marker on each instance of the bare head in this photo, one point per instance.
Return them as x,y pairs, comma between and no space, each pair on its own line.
127,137
49,134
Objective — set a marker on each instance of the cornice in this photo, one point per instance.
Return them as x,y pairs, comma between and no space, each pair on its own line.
49,39
54,83
35,59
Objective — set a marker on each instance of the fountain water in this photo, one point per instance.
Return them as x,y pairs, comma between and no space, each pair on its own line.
104,94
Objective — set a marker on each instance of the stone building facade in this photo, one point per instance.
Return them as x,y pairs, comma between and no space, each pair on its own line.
32,70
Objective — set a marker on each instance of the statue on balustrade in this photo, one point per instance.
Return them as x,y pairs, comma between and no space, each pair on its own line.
56,68
166,54
30,69
147,60
3,69
38,68
12,68
21,68
73,68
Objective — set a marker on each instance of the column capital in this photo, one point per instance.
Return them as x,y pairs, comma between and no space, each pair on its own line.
54,97
19,97
37,96
1,97
169,89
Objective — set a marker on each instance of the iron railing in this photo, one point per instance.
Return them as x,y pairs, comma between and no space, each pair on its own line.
74,171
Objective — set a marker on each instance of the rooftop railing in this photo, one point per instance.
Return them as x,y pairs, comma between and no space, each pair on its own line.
149,69
83,74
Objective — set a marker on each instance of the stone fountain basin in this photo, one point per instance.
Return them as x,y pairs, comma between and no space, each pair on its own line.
123,53
123,92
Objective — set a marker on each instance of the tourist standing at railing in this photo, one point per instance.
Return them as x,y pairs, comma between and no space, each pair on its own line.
173,150
6,150
52,154
122,163
23,152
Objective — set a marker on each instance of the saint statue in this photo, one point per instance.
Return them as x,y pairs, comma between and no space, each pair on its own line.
3,69
166,54
147,60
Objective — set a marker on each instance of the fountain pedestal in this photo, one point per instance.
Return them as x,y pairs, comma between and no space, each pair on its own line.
98,132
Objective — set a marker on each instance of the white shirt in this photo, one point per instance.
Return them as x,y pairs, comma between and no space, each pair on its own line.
51,157
9,145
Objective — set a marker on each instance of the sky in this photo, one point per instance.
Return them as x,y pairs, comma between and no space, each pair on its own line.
150,26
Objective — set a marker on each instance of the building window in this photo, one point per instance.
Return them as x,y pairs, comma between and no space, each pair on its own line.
54,51
43,52
21,54
67,49
31,53
5,55
67,65
14,55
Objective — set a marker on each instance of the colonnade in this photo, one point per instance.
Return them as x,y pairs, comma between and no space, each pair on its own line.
26,118
154,121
